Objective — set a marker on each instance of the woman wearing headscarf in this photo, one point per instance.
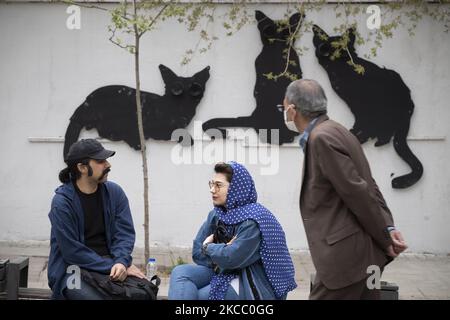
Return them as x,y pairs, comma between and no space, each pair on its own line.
240,251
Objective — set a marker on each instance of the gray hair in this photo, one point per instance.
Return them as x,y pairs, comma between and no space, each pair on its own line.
308,97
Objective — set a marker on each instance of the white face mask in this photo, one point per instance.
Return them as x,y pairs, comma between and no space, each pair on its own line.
289,124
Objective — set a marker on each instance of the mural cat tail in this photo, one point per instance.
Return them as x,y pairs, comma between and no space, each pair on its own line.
77,122
403,150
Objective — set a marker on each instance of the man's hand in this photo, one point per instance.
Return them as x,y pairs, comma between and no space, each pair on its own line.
118,272
135,272
399,244
209,239
391,252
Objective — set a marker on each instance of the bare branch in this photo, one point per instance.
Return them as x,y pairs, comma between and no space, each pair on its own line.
350,55
292,38
83,5
200,38
111,38
158,15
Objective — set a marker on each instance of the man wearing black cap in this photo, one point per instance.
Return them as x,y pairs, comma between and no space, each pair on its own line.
92,227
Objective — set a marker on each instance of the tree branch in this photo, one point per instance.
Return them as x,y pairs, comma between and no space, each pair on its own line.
90,6
200,38
139,34
113,32
291,42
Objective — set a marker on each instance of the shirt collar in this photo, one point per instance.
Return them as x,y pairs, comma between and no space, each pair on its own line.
305,135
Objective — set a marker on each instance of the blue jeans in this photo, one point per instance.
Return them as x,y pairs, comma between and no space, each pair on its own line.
191,282
86,292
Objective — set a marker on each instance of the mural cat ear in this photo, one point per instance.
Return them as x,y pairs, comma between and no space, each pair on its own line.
296,18
260,16
320,36
317,30
203,75
167,74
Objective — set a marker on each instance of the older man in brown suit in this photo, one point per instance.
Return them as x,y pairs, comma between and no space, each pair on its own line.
347,222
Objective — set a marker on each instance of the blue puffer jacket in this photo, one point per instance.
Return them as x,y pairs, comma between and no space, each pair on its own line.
67,234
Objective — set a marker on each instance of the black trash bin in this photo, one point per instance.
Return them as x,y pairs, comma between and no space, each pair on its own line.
389,291
3,273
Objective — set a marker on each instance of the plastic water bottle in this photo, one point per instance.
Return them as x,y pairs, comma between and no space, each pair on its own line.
151,268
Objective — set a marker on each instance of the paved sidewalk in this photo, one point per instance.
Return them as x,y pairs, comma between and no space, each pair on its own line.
419,276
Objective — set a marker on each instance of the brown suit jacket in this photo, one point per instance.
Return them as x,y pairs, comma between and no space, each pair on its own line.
344,214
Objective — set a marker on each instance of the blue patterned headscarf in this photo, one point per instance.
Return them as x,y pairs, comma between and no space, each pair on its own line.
241,205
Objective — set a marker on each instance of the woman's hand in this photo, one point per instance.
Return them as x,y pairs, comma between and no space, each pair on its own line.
209,239
231,241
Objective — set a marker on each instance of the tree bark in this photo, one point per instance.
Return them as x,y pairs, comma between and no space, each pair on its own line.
137,36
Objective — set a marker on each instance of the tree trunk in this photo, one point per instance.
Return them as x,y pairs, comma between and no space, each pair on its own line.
141,138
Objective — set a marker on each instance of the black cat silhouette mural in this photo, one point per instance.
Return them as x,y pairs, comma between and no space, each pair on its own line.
268,92
379,100
112,110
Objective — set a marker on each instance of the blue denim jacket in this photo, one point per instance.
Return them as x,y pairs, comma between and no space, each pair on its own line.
243,254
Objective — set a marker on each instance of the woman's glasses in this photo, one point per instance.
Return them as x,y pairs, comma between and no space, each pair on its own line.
216,184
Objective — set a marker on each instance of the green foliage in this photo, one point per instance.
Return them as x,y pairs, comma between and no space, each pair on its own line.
197,16
179,261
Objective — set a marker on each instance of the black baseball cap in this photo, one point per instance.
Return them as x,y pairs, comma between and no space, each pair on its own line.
87,149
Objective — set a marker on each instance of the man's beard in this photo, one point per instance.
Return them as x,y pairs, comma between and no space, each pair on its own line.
104,174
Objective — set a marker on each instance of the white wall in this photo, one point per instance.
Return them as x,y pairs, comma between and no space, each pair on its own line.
48,70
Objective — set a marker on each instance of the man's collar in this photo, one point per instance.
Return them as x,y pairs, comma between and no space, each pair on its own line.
305,135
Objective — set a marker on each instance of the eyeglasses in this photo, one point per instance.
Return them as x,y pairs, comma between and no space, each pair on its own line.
280,107
216,185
